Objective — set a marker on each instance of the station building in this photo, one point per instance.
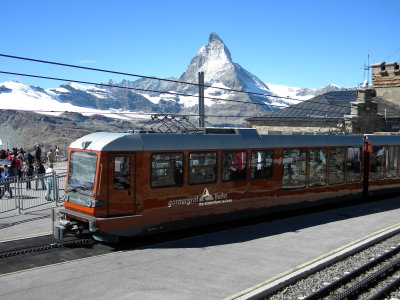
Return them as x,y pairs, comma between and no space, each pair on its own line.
368,109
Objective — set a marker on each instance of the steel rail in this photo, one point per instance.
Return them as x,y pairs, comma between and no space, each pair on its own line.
326,290
386,290
361,286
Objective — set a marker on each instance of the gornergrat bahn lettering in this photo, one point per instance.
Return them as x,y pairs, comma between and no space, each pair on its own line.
129,184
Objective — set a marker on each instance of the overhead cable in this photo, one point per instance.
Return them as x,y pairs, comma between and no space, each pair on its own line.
146,77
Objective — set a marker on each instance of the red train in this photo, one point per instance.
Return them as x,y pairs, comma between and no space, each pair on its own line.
128,184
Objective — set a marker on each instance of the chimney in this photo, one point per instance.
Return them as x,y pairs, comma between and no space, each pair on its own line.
386,75
365,94
386,80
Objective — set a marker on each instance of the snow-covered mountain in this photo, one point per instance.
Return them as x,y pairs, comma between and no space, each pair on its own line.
19,96
221,73
302,93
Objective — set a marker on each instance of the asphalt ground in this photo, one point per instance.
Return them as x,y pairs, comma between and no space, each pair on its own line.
213,265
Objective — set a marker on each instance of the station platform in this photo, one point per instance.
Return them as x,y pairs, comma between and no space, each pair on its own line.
211,266
31,222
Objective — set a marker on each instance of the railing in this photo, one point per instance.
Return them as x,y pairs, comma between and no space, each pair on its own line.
23,193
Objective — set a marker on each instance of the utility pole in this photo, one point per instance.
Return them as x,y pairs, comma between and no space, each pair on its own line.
201,99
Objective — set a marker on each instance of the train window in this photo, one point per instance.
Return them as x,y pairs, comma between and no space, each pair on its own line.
202,167
391,162
317,164
336,165
166,169
81,174
353,164
233,165
262,164
121,173
377,162
294,168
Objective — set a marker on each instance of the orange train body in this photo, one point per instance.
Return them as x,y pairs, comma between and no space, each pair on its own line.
127,184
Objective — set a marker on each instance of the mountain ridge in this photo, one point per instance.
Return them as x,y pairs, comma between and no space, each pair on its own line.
223,107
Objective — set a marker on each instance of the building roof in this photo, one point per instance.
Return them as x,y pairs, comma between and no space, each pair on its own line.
329,106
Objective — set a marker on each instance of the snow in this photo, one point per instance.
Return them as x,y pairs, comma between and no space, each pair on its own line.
290,93
24,97
98,92
165,96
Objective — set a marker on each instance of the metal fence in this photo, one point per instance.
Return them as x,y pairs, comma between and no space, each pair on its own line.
23,193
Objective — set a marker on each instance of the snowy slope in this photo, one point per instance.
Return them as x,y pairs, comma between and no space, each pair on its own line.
302,93
19,96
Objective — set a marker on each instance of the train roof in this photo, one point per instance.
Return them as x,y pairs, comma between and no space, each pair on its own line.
236,139
383,139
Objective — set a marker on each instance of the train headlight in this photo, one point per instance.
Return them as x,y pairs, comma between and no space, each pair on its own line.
88,202
92,226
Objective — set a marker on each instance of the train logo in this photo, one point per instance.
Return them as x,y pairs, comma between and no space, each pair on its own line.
206,196
205,199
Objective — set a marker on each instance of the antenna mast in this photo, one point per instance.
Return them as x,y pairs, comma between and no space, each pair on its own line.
367,68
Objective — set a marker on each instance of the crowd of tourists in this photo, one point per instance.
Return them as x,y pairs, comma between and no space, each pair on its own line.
18,163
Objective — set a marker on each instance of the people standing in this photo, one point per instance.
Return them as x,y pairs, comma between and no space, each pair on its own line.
15,165
7,187
38,153
57,151
27,172
49,181
1,184
51,157
39,172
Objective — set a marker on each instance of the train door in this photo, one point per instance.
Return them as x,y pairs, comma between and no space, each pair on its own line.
121,184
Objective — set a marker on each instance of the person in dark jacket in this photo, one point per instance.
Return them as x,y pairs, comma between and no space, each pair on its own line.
27,172
1,184
6,185
38,153
39,171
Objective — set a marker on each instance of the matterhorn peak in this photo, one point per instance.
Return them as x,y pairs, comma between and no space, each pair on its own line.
216,48
214,59
214,38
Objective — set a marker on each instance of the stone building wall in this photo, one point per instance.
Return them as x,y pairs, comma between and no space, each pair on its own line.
386,81
364,117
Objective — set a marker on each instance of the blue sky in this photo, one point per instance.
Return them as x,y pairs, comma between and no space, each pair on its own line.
288,42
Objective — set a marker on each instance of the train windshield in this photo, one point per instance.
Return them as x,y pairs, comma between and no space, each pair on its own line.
82,171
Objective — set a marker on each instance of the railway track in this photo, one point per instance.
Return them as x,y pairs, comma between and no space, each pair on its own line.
39,251
43,247
375,279
371,273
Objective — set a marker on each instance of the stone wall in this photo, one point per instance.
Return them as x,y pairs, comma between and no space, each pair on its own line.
386,80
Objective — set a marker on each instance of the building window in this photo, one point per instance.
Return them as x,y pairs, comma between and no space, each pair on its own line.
166,169
294,168
262,164
317,165
202,167
353,164
122,173
377,162
233,165
336,165
391,162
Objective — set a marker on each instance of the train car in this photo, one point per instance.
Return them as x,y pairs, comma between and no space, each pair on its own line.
129,184
383,161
